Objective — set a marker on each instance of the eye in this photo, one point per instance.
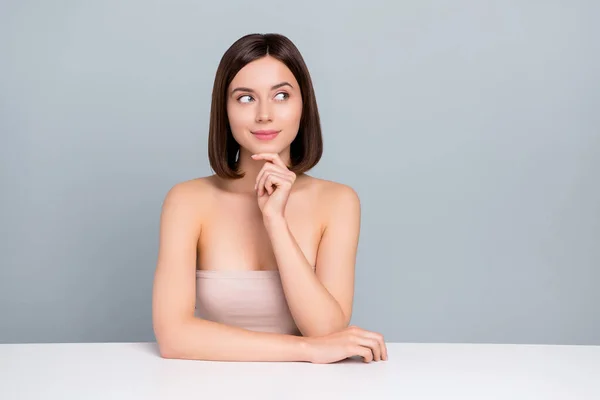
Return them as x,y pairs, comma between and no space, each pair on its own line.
244,96
284,94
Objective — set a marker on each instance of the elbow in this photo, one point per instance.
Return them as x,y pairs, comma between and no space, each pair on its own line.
177,342
168,349
171,337
169,342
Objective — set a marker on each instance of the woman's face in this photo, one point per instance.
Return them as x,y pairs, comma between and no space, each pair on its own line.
264,106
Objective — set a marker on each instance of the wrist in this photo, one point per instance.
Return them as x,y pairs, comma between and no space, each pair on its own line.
274,221
305,349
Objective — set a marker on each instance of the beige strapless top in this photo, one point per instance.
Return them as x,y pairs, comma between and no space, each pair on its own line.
252,300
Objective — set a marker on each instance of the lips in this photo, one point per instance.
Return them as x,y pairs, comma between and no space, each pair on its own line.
265,134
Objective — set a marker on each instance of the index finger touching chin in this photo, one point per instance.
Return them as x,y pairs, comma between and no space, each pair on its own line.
273,157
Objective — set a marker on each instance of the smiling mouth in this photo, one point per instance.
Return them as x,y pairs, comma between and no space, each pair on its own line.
265,134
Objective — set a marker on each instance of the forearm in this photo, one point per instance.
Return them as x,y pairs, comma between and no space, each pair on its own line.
314,309
199,339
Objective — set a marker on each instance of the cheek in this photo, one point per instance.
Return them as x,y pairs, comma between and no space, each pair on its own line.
238,117
291,114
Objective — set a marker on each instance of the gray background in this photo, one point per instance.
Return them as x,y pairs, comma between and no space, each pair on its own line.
470,131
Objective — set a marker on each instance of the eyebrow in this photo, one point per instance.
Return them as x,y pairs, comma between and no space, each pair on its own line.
245,89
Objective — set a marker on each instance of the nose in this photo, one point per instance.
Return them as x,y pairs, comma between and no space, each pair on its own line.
263,113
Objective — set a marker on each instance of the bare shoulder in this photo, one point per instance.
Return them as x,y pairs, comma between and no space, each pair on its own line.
334,197
190,189
191,196
331,190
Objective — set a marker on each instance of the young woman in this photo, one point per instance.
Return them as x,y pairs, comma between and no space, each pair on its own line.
256,262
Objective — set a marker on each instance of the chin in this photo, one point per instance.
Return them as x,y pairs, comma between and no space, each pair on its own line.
271,146
266,149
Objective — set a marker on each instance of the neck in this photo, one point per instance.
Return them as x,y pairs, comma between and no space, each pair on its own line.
250,168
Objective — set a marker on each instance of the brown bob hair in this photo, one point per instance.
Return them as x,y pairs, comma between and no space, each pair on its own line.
306,149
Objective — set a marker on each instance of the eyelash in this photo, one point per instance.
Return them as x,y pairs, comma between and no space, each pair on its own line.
284,93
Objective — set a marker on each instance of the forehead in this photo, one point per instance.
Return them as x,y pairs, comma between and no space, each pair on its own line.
263,73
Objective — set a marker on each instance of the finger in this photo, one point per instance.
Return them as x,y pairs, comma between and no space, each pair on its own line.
377,337
364,352
268,167
384,353
273,178
260,174
381,341
268,185
273,157
262,182
373,345
259,177
362,333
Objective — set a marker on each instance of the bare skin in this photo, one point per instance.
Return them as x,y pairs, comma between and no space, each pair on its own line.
306,228
234,235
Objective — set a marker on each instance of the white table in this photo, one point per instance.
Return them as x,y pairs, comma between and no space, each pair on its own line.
413,371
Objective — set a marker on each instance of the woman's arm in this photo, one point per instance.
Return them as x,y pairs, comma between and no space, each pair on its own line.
321,303
181,335
197,339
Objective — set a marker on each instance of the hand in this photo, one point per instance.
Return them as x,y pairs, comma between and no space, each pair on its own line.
273,185
350,342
